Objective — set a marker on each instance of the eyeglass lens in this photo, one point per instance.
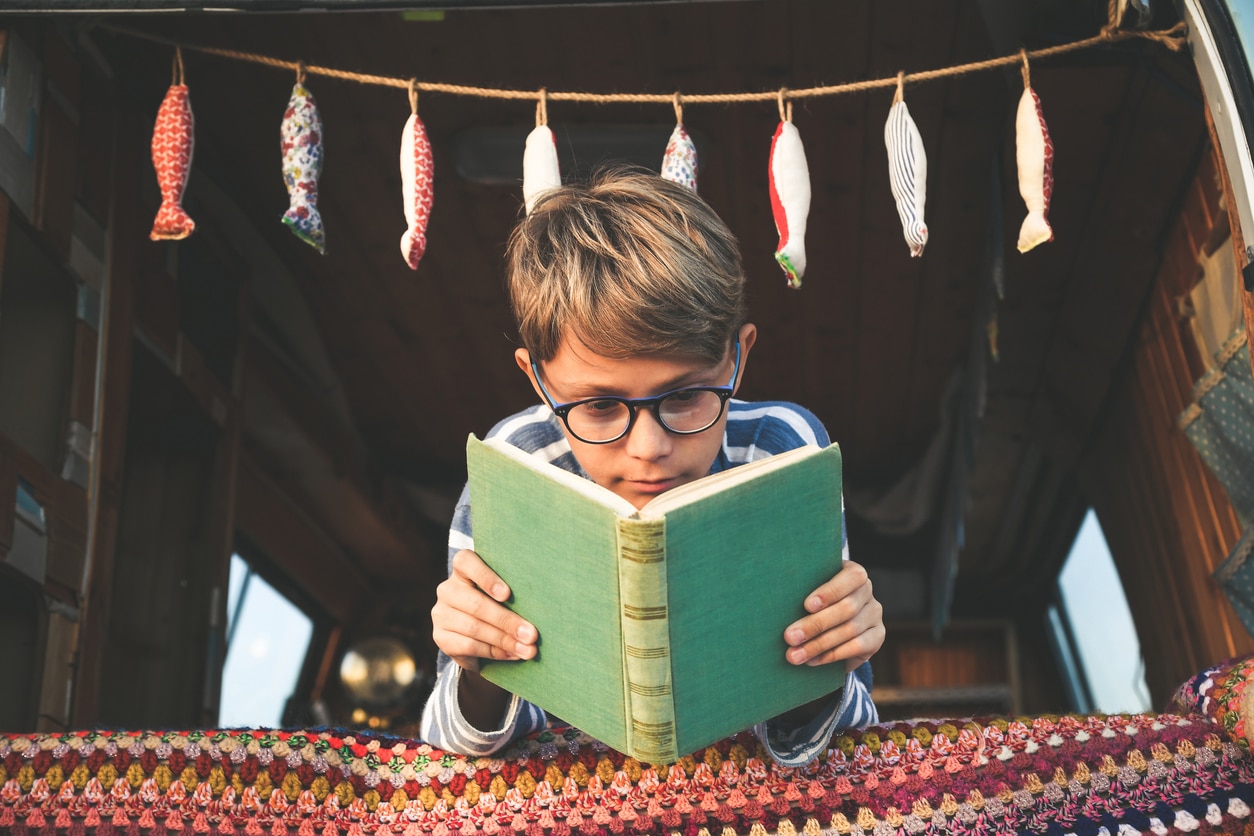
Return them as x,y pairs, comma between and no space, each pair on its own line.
685,411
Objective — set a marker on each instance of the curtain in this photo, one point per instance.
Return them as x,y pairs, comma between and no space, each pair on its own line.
1220,422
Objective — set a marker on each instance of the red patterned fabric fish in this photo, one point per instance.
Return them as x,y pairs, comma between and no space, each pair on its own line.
417,186
790,200
1034,153
172,141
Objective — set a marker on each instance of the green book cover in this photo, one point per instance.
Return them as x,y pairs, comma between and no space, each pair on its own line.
661,630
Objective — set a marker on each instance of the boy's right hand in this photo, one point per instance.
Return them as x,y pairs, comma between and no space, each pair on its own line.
468,621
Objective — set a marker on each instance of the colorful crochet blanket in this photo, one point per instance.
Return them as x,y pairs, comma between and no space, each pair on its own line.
1147,773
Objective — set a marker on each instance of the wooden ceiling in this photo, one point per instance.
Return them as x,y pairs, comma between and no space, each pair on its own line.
870,342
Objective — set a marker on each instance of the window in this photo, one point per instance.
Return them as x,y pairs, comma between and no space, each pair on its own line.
267,640
1096,642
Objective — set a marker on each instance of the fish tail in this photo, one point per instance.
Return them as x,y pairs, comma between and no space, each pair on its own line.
413,246
1035,230
306,224
172,223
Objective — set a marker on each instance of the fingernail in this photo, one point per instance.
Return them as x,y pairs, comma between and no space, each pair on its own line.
795,635
814,603
797,655
500,591
525,633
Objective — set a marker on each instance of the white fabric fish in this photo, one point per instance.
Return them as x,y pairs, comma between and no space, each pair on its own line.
417,187
1034,153
790,200
301,135
541,171
679,163
907,173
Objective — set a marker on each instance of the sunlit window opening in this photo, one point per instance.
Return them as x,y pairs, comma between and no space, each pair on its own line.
267,639
1096,640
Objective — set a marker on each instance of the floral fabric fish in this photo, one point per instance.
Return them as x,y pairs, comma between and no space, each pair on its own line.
790,200
172,145
301,143
679,163
417,187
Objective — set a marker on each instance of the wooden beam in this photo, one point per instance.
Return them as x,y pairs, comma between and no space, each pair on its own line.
323,467
294,540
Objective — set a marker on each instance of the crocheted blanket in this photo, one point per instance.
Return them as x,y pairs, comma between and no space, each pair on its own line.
1184,772
1165,773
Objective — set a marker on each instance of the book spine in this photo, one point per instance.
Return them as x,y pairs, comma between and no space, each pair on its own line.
646,640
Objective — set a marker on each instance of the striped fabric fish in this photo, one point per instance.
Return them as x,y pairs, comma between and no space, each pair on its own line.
790,200
172,145
417,187
679,163
1034,153
301,142
907,173
541,171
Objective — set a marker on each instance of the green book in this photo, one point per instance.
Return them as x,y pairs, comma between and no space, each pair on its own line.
661,630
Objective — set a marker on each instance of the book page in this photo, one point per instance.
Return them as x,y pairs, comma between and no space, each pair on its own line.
573,481
693,491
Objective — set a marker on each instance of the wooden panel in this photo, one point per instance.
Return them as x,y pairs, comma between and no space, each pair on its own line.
1166,518
8,492
117,320
57,154
67,541
83,382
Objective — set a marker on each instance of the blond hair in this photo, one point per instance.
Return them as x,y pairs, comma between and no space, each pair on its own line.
627,264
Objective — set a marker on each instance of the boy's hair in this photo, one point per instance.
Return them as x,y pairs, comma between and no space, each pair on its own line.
627,264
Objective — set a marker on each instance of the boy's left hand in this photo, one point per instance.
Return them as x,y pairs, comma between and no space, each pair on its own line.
845,622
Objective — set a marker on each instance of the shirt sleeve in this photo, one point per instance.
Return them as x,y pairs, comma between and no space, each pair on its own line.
443,723
849,707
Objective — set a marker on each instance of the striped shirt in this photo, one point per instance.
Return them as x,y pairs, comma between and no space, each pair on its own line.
754,431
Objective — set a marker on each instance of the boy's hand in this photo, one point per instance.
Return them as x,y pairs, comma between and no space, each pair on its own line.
845,622
468,622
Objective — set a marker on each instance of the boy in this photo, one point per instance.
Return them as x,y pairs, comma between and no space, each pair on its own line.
629,298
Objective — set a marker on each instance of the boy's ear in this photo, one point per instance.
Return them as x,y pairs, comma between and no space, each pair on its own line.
523,358
748,336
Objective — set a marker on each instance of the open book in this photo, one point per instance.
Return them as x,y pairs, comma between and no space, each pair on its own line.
661,630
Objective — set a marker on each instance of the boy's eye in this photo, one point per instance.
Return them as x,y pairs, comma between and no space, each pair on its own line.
684,396
600,409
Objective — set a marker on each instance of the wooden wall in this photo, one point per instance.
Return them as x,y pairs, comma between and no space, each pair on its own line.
1165,516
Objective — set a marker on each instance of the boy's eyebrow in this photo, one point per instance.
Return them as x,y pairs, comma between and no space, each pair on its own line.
580,390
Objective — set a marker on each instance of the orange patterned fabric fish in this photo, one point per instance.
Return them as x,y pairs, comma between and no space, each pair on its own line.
172,142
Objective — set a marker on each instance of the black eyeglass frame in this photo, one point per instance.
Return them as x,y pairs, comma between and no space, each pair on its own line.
562,410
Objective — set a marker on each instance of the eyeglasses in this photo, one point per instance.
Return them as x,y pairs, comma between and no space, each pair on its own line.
604,419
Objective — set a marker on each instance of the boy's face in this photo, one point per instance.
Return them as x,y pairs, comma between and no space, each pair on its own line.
649,459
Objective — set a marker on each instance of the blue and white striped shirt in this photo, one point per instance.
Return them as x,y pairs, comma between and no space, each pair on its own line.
754,431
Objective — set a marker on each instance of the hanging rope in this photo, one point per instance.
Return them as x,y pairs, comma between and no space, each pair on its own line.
1173,39
177,69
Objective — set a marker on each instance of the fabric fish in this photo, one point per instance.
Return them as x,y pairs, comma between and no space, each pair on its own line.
301,142
1034,153
541,171
417,187
907,173
679,163
790,200
172,144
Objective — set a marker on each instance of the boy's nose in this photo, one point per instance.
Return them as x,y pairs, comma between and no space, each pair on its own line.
648,439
